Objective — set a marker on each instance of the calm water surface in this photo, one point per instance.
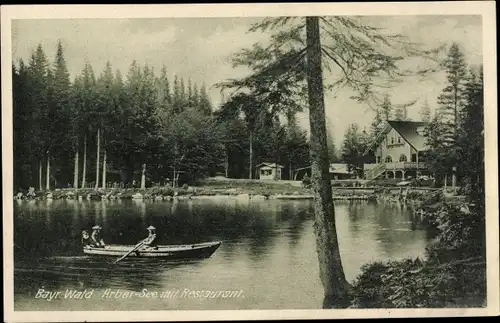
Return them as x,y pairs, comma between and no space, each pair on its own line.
268,253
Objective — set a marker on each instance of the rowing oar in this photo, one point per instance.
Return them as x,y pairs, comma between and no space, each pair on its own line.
137,246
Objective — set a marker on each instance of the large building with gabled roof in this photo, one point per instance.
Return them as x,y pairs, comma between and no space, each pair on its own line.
397,151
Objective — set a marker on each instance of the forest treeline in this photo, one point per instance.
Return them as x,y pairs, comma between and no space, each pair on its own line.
143,128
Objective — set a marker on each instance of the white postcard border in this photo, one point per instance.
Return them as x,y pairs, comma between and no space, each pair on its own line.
484,8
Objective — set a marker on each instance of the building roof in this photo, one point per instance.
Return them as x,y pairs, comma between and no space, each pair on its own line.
269,165
407,129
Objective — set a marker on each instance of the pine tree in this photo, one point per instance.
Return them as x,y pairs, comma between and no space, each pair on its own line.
50,127
76,124
377,123
37,87
386,108
251,110
196,96
470,140
64,135
163,90
205,106
26,146
190,95
88,97
332,149
425,112
183,93
353,148
451,100
107,111
177,95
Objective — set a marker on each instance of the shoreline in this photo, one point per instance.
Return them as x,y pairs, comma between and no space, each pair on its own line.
281,192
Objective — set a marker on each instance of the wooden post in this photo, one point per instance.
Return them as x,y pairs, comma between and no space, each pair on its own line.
416,172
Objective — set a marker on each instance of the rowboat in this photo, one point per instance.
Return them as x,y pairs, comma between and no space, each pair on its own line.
191,251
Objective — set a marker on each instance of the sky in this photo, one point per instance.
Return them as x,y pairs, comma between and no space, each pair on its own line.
201,49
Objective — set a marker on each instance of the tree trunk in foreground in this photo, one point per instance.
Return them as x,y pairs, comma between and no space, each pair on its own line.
75,171
331,271
84,171
48,172
97,158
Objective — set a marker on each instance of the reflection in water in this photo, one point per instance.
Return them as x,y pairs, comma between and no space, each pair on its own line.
268,250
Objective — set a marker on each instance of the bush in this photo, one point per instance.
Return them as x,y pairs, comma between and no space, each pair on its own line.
163,191
370,290
412,283
461,233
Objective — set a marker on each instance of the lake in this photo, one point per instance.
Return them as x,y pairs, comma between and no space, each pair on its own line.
268,253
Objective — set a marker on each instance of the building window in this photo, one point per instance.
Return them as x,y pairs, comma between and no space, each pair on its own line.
399,139
392,140
403,158
266,172
388,159
414,157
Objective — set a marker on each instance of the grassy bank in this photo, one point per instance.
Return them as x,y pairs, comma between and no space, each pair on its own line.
342,190
209,188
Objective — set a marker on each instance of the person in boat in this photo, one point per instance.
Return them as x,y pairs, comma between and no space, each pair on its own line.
86,240
96,237
150,240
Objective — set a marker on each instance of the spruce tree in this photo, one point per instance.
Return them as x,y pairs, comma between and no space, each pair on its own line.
386,108
64,135
451,99
377,123
37,100
425,112
451,102
205,106
470,139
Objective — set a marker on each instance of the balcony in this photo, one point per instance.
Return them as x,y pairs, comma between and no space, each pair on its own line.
397,166
405,165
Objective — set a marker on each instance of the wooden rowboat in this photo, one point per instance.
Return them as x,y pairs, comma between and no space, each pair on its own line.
191,251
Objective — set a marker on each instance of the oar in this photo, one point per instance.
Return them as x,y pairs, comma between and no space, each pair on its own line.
137,246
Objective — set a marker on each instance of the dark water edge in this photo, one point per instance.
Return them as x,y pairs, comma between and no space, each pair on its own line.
268,251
